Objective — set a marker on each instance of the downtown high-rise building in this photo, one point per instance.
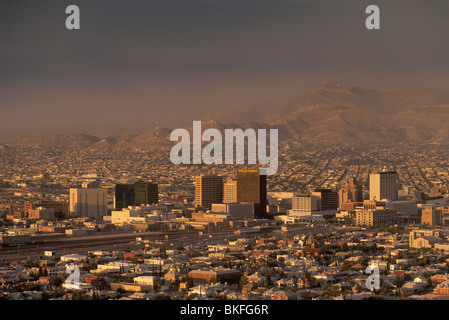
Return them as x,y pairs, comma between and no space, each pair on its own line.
90,202
124,196
350,191
252,188
146,193
208,190
383,186
328,199
305,203
230,191
139,193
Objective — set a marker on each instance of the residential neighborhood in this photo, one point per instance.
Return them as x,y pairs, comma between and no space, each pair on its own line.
311,266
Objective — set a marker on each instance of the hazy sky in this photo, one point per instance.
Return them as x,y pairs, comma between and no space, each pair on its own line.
137,62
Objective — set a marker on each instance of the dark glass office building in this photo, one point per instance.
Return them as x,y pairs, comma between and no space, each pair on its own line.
136,194
124,196
328,199
146,193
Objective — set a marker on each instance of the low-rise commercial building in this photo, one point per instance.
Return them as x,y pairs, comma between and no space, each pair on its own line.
211,276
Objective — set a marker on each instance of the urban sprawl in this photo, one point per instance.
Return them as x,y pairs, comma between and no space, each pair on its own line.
127,224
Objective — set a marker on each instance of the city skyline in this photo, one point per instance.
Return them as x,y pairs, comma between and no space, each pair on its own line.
101,197
146,252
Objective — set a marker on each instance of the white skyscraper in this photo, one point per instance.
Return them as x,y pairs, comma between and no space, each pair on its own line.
383,186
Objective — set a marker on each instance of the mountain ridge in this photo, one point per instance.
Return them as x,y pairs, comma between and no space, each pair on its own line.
330,113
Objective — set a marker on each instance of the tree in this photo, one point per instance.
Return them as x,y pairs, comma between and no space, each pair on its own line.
32,264
56,281
59,292
399,282
422,261
384,289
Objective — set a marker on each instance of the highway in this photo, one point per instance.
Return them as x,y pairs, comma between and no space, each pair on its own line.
114,241
127,240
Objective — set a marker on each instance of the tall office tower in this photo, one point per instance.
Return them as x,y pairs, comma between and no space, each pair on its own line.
328,199
88,202
124,196
350,191
146,193
252,187
208,190
383,186
230,191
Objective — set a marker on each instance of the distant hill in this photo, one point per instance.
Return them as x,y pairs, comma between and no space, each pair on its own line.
78,141
331,113
335,113
158,137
